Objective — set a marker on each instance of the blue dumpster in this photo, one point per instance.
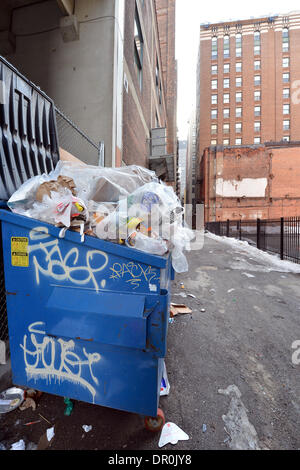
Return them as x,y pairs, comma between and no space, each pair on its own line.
87,321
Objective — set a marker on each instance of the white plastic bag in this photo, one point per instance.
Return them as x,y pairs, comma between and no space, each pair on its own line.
155,246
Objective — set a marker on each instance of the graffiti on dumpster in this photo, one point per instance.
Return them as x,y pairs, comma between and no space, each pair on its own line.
49,261
43,360
133,273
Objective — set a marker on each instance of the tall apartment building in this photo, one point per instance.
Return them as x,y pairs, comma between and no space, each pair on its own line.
248,82
101,63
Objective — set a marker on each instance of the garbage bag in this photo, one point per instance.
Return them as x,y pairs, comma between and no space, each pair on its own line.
102,184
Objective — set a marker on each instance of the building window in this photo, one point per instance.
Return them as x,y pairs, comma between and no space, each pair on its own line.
225,141
226,83
214,69
257,80
214,48
257,65
238,112
214,113
257,95
226,68
285,62
225,128
156,120
286,109
257,140
238,45
238,127
213,142
285,77
138,48
286,93
214,129
257,126
256,38
238,67
226,113
214,99
285,40
256,42
286,138
256,50
238,141
286,125
226,46
226,98
257,110
238,97
238,81
214,84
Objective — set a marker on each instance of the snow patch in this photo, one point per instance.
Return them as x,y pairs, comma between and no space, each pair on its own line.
272,261
242,433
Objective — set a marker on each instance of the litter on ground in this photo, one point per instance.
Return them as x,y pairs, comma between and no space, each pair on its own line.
179,309
171,433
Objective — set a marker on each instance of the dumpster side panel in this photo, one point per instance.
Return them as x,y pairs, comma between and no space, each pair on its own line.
75,329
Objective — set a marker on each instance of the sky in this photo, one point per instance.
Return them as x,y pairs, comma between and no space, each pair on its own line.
189,15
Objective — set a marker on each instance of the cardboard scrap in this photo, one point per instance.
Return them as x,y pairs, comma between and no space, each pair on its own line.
179,309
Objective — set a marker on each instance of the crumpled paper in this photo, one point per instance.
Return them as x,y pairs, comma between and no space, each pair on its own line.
171,433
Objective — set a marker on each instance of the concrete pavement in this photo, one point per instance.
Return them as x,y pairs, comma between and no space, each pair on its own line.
229,363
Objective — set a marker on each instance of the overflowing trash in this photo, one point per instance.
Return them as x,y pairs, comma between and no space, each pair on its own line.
126,205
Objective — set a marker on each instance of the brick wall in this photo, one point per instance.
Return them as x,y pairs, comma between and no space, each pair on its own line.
166,16
250,182
140,105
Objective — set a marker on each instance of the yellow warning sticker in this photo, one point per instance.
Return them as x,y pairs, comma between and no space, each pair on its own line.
19,252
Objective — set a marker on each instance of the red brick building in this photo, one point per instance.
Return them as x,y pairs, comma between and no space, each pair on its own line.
248,97
244,183
248,81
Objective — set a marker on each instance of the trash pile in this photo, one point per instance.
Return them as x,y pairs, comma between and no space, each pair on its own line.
126,205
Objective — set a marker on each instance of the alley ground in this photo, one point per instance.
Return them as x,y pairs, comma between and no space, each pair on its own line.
232,378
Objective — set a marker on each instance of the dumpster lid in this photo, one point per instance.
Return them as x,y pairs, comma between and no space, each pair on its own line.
28,134
114,318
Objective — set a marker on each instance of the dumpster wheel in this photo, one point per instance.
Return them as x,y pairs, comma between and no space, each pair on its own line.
155,424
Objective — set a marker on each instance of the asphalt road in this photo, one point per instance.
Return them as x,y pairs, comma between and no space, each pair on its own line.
229,363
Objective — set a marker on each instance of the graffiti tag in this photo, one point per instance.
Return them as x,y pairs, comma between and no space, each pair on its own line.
133,273
49,261
43,360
